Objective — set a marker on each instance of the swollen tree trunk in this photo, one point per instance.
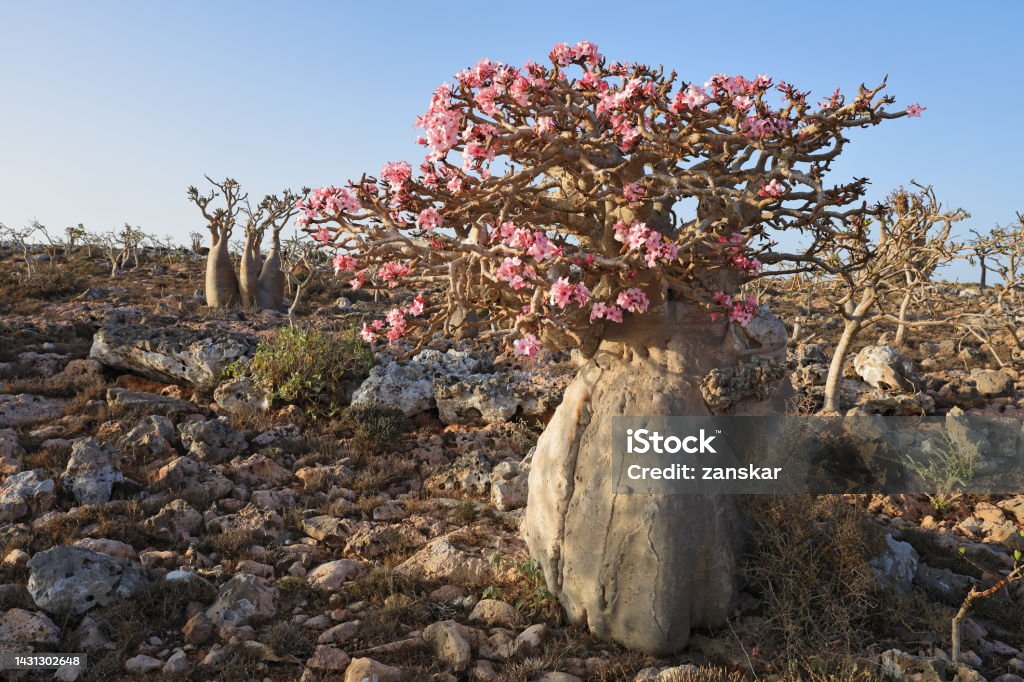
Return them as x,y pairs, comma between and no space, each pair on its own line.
640,569
984,271
221,282
270,289
248,273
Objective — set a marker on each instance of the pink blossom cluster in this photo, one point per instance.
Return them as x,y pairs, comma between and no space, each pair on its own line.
634,192
516,273
396,321
638,237
603,311
527,346
773,189
633,300
393,272
326,202
691,98
535,242
344,263
740,312
563,292
582,52
429,219
736,255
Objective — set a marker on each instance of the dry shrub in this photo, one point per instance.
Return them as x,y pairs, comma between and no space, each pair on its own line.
810,562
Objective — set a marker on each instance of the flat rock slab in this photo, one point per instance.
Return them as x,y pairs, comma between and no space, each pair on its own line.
25,408
159,350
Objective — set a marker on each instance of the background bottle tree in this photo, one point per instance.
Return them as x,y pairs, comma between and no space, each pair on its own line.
258,282
614,208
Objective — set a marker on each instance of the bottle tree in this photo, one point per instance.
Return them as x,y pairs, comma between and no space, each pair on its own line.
614,208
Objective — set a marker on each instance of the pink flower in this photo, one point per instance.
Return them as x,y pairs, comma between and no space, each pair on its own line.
613,314
722,298
633,300
529,345
343,263
562,292
634,192
515,273
742,102
396,173
915,110
397,330
322,235
368,334
544,124
691,98
394,316
586,51
417,306
772,189
637,235
442,131
329,201
393,271
455,184
581,294
542,248
561,54
359,280
429,219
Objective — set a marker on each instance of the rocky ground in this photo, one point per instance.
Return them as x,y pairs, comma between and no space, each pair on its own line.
164,513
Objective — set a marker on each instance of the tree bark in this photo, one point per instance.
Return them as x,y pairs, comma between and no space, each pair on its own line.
639,569
270,290
248,273
221,282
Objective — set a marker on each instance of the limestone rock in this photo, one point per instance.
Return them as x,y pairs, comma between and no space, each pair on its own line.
334,574
992,383
240,396
167,351
72,580
18,626
242,599
897,565
154,436
24,493
11,452
212,441
260,470
409,386
24,408
450,642
362,669
440,560
175,523
885,367
153,403
487,398
496,613
92,471
328,659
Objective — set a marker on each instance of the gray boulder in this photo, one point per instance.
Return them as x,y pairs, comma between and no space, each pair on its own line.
409,386
72,580
162,351
25,492
212,441
92,471
243,598
25,408
885,367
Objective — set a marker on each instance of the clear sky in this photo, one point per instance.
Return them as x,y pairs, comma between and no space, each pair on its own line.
111,109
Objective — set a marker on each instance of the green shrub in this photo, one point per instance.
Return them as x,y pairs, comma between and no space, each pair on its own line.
374,427
309,367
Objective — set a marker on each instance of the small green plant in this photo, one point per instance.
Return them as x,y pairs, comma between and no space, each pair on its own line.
374,427
491,592
950,466
309,367
539,598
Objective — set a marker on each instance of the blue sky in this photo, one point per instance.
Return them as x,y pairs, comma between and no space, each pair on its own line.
111,109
